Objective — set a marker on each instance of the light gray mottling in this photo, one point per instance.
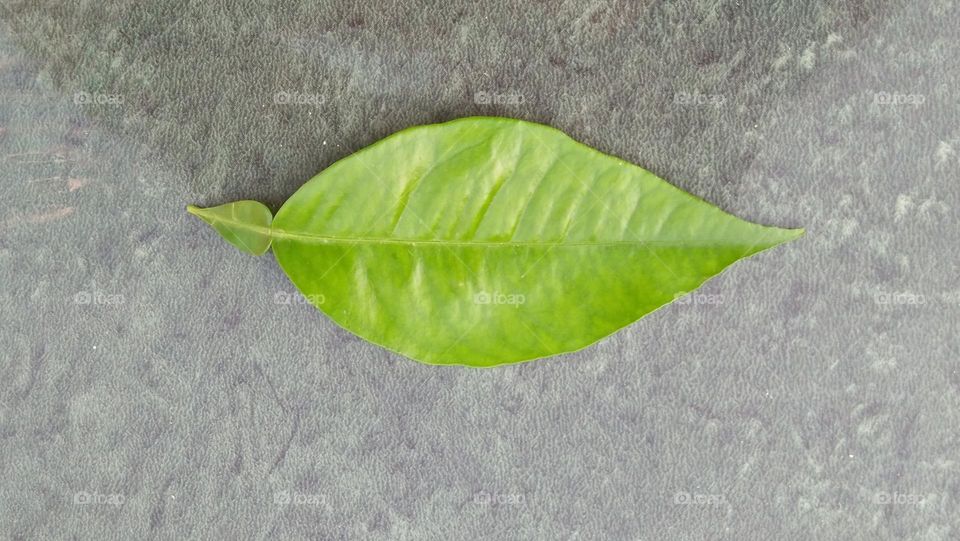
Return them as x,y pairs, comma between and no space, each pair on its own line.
811,381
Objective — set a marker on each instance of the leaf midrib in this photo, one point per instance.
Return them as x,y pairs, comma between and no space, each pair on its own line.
277,233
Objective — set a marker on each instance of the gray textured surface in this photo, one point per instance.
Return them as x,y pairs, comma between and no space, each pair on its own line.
822,378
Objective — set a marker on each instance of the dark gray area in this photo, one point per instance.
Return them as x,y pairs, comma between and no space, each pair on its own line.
151,387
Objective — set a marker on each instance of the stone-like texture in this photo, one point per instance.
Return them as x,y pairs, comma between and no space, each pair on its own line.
145,361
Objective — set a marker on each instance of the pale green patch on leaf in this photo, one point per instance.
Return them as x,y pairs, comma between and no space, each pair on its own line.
486,241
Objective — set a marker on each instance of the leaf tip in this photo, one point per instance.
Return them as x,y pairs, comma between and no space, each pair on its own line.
788,235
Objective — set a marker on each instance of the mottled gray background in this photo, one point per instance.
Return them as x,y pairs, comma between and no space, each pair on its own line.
152,387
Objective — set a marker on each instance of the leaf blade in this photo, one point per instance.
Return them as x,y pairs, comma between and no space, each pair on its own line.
473,218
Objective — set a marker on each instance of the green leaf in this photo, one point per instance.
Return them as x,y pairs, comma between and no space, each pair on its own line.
486,241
